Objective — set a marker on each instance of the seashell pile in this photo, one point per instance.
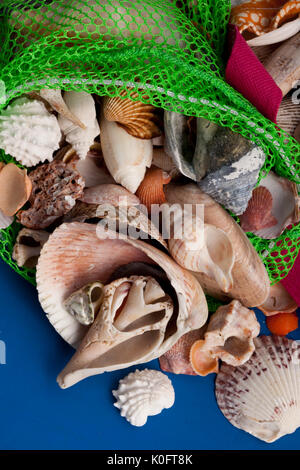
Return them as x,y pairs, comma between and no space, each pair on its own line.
109,217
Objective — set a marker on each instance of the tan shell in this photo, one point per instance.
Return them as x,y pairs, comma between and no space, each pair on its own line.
229,337
15,188
288,116
137,118
278,300
250,279
109,194
28,247
284,64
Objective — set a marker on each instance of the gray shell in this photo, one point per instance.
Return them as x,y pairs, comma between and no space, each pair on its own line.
232,185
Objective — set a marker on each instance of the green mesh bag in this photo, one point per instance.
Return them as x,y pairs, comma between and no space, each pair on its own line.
170,53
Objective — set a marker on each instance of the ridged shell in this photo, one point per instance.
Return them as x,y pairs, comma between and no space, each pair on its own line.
262,397
28,132
258,214
83,106
126,157
232,185
151,191
143,393
137,118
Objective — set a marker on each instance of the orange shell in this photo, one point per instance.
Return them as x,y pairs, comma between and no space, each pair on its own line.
15,188
201,360
262,16
138,119
258,214
151,190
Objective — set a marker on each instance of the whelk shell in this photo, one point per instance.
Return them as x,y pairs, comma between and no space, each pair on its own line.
143,393
56,101
262,396
138,119
250,279
126,157
229,337
15,189
28,132
83,106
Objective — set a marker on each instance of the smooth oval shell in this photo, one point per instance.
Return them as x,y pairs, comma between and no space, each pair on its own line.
15,189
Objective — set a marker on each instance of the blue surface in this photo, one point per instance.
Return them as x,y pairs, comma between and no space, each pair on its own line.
36,414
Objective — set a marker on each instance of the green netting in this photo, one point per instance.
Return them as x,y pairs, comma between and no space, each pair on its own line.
169,52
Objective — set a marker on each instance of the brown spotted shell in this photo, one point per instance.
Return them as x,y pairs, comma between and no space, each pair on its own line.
138,119
262,397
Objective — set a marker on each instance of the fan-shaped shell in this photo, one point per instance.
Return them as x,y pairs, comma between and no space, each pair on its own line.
83,106
143,393
258,214
28,132
137,118
151,191
262,396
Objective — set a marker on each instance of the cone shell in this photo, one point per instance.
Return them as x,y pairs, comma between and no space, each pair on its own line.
137,118
262,396
258,214
151,191
250,279
28,132
278,301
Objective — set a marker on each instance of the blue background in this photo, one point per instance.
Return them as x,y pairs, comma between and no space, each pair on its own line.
36,414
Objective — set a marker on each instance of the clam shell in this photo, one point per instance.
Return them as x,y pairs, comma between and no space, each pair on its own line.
285,205
126,157
143,393
278,301
137,118
28,132
250,279
83,106
232,184
262,396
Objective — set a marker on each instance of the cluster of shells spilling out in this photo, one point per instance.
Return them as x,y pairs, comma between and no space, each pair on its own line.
112,283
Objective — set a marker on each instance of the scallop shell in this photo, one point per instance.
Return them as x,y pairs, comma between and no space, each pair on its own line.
28,132
83,106
288,116
229,337
278,301
137,118
126,157
151,191
232,184
96,257
261,396
285,205
143,393
258,214
177,359
250,279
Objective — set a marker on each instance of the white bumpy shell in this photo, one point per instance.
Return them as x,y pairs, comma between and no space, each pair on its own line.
28,132
82,105
143,393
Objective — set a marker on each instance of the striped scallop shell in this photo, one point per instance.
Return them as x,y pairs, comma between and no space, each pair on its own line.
262,397
138,119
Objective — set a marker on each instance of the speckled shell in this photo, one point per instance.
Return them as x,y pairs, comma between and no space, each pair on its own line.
262,396
83,106
143,393
28,132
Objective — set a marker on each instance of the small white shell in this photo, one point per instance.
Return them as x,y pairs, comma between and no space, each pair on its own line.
286,31
82,105
143,393
28,132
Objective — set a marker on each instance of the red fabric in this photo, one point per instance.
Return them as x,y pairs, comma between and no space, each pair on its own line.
246,74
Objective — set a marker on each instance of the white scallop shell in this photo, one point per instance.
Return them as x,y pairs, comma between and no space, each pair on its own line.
82,105
262,397
28,132
143,393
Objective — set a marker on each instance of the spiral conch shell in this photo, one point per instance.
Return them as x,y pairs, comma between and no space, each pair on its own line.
83,106
143,393
250,279
126,157
28,132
